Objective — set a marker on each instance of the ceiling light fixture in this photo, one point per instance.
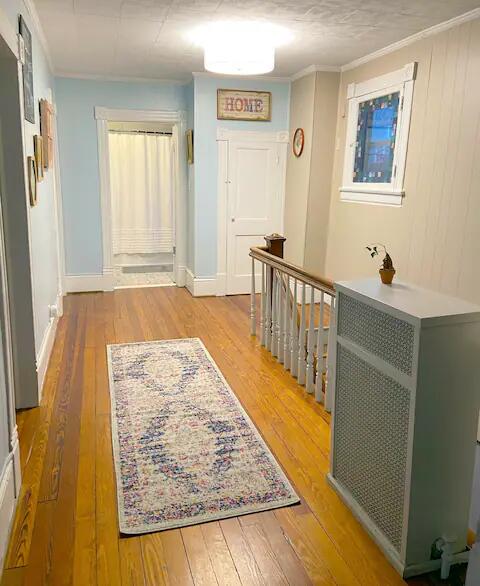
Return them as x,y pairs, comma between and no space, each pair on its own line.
240,48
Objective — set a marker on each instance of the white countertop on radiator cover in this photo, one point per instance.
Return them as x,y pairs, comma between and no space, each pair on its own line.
409,301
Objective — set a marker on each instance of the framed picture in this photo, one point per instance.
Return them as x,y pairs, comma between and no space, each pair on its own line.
189,135
46,130
244,105
27,71
298,142
32,180
38,152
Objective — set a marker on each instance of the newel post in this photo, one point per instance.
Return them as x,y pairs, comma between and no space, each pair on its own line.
275,244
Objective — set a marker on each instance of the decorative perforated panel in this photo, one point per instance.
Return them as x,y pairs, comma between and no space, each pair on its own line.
388,337
370,443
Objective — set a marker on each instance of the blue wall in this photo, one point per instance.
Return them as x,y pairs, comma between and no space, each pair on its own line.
76,100
43,228
206,158
190,106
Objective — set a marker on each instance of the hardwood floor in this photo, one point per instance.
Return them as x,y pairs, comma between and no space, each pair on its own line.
66,529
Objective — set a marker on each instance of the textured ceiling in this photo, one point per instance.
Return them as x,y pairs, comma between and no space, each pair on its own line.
146,38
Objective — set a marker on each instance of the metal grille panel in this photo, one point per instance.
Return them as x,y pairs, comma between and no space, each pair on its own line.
388,337
371,438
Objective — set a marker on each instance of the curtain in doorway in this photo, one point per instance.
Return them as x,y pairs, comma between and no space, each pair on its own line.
142,187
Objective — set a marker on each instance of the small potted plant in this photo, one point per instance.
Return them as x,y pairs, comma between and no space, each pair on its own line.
386,271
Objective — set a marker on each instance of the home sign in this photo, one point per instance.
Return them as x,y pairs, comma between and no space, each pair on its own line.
244,105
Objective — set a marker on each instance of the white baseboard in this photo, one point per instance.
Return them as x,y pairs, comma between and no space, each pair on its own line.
8,503
200,286
86,283
181,276
43,357
221,284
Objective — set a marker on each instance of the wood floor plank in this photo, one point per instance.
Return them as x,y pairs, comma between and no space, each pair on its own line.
131,561
107,532
34,438
198,557
178,568
220,556
154,560
13,577
85,560
66,526
241,553
39,568
284,552
264,555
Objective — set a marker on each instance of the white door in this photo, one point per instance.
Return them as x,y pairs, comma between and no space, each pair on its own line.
256,175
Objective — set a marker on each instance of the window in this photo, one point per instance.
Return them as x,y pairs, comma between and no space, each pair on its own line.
377,136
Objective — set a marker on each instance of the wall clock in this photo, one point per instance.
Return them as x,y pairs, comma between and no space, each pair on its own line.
298,142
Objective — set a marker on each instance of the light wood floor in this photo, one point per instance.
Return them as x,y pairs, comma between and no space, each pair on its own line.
66,524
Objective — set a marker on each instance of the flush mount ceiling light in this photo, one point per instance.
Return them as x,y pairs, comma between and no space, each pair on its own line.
240,48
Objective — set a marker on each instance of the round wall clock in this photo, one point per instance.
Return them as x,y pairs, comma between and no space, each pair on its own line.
298,142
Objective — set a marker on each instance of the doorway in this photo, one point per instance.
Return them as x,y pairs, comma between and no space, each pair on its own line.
142,191
252,187
144,231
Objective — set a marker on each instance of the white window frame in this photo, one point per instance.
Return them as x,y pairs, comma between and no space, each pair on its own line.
402,81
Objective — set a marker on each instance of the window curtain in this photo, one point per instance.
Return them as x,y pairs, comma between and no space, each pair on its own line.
142,187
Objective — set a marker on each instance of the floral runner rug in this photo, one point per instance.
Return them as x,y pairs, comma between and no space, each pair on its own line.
185,451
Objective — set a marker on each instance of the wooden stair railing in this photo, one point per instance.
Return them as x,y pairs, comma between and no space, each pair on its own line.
296,317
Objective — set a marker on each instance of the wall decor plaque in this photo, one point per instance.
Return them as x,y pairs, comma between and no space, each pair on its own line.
244,105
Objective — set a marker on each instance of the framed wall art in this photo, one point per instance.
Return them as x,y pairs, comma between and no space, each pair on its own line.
189,135
46,129
27,71
32,180
244,105
298,142
38,153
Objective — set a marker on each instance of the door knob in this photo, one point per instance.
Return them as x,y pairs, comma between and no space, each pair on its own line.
232,219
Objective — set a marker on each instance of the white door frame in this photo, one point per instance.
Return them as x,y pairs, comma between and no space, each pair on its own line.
223,137
178,118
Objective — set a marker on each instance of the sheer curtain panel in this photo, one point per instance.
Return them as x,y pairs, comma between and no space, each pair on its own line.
142,188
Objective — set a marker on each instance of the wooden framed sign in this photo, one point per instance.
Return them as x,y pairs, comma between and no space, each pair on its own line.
244,105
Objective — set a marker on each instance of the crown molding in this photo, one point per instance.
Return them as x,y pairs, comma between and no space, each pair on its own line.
313,69
428,32
32,11
272,78
119,78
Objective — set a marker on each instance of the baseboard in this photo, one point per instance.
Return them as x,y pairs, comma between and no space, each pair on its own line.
43,357
8,503
181,276
86,283
200,286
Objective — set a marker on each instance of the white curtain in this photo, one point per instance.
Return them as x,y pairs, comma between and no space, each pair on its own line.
142,188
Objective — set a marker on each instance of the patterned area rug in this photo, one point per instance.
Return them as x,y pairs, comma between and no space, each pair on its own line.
185,450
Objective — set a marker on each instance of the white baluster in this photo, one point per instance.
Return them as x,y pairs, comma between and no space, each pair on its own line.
293,333
275,314
331,357
253,304
320,351
311,343
286,340
301,342
268,314
281,321
279,312
262,308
